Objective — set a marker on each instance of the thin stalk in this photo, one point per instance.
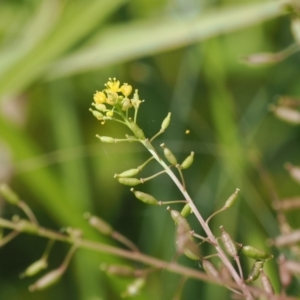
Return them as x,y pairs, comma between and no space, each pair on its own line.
134,256
205,226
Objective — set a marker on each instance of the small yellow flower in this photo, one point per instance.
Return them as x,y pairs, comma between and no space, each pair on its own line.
99,97
112,98
126,89
113,85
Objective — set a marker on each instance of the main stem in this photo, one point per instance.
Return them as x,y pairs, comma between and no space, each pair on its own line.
205,226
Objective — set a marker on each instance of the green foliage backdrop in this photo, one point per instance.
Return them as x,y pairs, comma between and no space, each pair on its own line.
183,56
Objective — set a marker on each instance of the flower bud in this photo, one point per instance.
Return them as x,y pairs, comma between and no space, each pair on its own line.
256,253
138,132
255,271
100,107
188,161
231,200
112,97
166,122
126,104
129,181
186,210
100,225
229,245
128,173
146,198
169,155
8,194
47,280
97,114
106,139
35,268
126,89
99,97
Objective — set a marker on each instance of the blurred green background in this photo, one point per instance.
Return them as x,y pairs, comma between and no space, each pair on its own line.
183,56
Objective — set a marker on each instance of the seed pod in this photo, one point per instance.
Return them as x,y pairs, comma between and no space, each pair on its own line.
8,194
35,268
294,171
146,198
124,271
134,288
100,225
186,210
106,139
169,155
138,132
129,181
284,274
287,239
287,204
210,269
231,200
47,280
166,122
293,266
289,115
128,173
191,251
256,253
188,161
255,271
179,219
266,283
229,245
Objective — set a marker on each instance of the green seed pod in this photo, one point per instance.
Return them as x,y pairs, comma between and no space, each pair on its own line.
231,200
229,244
106,139
210,269
266,283
129,181
191,251
166,122
169,155
100,225
179,219
255,271
128,173
188,161
35,268
256,253
146,198
8,194
186,210
47,280
138,132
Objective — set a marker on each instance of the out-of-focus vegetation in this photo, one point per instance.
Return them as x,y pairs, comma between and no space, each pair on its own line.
183,56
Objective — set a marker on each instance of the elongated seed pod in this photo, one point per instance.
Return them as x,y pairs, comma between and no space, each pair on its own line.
8,194
188,161
232,199
179,219
128,173
294,171
210,269
287,239
266,283
169,155
284,274
146,198
289,115
166,122
256,253
186,210
293,266
138,132
129,181
100,225
35,268
47,280
255,271
287,204
229,244
124,271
